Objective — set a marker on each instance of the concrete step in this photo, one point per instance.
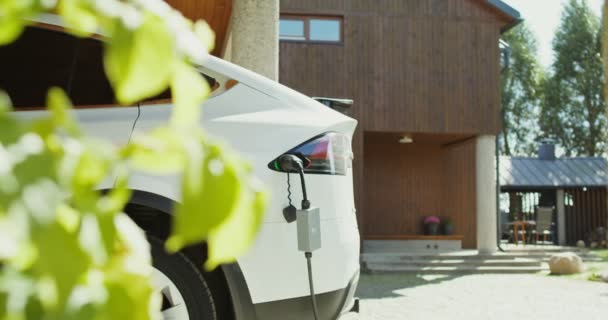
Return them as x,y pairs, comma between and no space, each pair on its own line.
384,267
463,262
587,257
543,248
584,258
445,260
411,257
453,263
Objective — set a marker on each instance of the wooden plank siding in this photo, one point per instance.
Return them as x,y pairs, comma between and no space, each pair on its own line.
397,206
215,12
434,178
411,66
589,211
459,189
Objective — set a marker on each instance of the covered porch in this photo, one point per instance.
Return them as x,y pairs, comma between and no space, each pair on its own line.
411,176
573,188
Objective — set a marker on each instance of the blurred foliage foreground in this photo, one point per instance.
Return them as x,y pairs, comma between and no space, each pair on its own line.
68,251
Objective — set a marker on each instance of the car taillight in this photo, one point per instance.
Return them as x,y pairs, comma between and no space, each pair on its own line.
329,153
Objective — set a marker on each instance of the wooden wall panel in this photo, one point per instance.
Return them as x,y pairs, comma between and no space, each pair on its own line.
589,211
468,9
403,184
410,66
406,182
215,12
458,190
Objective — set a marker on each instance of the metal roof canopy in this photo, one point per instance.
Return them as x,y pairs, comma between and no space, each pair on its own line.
523,172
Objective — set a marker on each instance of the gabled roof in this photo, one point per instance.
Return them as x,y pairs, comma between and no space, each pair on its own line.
523,172
505,8
508,11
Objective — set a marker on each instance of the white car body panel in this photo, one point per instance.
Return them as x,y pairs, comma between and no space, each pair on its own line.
261,120
113,124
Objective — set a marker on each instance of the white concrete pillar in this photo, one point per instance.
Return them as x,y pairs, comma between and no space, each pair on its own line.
254,36
485,177
561,218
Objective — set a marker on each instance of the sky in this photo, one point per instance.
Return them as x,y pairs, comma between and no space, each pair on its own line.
543,18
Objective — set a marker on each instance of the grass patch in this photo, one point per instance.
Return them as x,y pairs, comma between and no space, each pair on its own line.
603,254
594,277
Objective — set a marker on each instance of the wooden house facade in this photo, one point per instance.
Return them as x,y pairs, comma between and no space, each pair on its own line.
425,73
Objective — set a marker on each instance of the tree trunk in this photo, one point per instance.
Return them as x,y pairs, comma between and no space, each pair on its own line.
507,148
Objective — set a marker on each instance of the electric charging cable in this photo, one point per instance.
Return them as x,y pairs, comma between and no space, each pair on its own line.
292,164
315,311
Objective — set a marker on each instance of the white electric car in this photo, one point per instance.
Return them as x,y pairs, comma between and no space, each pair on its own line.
262,120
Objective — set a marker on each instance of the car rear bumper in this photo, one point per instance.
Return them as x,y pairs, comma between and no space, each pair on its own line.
331,304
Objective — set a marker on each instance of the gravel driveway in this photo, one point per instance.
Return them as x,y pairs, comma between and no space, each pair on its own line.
402,296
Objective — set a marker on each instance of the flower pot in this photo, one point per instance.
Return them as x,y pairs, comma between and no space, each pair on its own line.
448,229
431,229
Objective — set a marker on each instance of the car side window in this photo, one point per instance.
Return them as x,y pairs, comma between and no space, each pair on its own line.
43,58
38,60
88,85
46,56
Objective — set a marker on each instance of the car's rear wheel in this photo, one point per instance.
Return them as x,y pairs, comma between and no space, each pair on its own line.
185,293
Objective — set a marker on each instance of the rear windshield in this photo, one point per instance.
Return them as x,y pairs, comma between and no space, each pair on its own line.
42,58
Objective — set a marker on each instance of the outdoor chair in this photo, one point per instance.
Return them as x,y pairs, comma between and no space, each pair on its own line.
506,231
544,219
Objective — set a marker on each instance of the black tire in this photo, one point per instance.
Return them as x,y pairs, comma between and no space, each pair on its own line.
187,278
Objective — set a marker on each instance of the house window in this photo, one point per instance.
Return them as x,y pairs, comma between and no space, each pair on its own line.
324,29
291,29
310,28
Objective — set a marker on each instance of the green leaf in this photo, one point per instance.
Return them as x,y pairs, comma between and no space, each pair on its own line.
66,251
11,24
35,166
90,170
10,29
159,152
210,191
189,91
14,15
60,106
205,34
5,103
130,297
78,17
16,290
138,62
63,274
236,235
132,240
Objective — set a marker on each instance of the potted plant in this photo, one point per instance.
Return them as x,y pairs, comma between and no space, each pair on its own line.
447,226
431,225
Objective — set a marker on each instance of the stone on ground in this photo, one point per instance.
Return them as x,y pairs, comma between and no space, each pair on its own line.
566,263
604,275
